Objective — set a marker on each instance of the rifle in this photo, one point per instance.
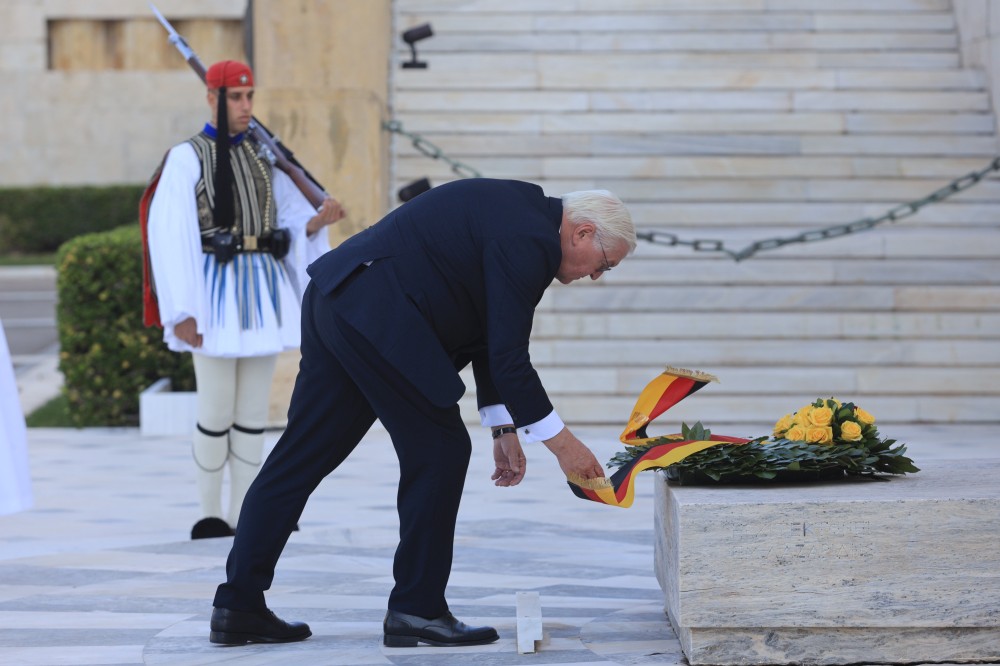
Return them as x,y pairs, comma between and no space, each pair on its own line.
271,147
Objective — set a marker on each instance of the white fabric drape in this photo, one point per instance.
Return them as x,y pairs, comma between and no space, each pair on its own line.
15,480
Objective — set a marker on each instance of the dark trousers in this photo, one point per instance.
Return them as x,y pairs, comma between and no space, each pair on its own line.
342,386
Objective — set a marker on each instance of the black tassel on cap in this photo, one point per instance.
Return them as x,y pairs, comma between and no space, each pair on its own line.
224,212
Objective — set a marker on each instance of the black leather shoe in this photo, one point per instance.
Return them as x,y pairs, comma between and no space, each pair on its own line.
211,528
402,630
231,627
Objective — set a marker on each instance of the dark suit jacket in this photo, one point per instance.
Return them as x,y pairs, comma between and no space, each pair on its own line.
458,272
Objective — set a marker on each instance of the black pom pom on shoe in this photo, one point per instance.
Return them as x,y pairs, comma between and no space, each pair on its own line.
211,528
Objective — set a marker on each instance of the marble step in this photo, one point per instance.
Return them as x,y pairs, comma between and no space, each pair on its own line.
929,21
785,189
812,382
891,101
981,147
771,189
646,269
904,144
898,59
707,6
886,241
546,100
950,213
609,298
715,411
807,132
517,52
605,21
889,240
707,42
624,327
723,351
787,166
484,71
860,6
711,42
465,145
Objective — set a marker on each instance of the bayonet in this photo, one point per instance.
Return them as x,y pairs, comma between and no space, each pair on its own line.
179,42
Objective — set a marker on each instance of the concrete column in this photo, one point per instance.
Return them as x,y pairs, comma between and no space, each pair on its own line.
321,70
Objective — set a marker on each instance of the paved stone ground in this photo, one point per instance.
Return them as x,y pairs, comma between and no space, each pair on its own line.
101,571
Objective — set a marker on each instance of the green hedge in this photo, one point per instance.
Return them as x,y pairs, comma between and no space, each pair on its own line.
107,356
40,219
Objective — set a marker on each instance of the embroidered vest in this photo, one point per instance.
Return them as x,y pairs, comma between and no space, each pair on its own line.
255,212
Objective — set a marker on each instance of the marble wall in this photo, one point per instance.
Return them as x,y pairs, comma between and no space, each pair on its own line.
979,34
96,126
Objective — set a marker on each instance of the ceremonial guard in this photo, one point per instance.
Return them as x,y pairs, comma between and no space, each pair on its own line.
228,239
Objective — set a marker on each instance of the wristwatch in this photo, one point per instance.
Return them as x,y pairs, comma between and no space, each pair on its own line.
503,430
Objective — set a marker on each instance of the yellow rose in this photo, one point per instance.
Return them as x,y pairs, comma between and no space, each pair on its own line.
819,435
821,416
802,416
796,433
864,416
850,431
783,424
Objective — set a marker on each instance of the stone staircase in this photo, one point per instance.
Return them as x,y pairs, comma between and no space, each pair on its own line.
737,120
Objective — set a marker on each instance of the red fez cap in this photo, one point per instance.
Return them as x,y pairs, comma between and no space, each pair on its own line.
228,74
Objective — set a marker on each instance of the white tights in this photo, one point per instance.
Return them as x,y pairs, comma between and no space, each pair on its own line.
232,400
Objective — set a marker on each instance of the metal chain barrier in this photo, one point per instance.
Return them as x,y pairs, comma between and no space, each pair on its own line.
864,224
894,214
427,148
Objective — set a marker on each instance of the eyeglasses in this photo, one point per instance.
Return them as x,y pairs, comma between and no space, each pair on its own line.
607,264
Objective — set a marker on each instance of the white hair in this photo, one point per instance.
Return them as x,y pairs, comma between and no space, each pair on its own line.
605,211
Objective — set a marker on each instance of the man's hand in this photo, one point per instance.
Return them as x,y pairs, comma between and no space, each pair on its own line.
328,213
510,460
574,457
187,331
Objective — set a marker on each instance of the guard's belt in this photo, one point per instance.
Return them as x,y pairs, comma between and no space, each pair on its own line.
246,244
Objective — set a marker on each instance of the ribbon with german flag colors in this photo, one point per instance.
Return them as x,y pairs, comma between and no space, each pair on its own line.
665,391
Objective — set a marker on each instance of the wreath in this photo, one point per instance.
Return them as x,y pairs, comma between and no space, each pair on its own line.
826,439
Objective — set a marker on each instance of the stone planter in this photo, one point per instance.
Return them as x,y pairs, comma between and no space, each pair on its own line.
166,412
903,571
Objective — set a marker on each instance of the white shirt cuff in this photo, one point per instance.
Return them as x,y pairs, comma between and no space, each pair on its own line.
547,428
492,416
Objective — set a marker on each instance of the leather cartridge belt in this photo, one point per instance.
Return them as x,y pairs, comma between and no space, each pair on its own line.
244,244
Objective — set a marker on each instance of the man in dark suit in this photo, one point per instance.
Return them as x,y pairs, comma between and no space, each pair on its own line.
390,317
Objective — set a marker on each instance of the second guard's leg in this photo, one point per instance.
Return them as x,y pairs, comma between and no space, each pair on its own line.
246,439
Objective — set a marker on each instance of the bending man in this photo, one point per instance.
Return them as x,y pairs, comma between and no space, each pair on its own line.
391,315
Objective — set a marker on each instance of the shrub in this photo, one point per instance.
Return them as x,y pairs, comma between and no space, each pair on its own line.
40,219
107,356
